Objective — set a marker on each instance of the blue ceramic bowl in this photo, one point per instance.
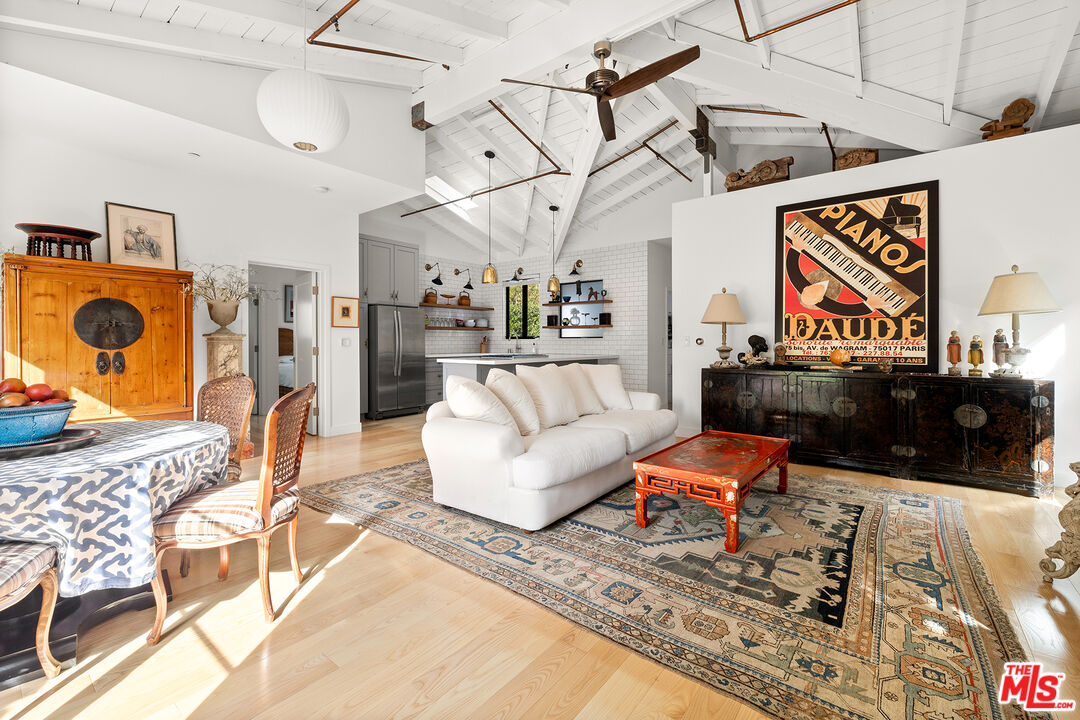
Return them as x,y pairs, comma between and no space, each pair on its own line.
33,425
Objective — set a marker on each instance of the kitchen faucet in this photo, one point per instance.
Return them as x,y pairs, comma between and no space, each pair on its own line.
514,335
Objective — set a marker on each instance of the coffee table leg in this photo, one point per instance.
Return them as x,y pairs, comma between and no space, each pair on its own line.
642,496
781,486
731,544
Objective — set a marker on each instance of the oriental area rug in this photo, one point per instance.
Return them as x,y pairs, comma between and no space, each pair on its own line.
842,601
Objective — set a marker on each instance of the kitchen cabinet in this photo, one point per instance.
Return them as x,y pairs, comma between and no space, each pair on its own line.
389,272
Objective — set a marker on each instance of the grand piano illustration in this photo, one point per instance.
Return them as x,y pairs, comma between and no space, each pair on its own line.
903,217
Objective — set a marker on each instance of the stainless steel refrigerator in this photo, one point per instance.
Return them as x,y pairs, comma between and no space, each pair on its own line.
395,360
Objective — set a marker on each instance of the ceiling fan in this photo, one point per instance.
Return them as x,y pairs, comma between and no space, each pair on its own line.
604,83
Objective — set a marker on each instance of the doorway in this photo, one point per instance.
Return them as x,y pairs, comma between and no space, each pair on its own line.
283,330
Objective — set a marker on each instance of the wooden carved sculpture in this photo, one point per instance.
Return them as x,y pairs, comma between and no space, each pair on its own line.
764,173
1067,549
857,158
1016,113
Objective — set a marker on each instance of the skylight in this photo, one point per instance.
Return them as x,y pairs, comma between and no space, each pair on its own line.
442,191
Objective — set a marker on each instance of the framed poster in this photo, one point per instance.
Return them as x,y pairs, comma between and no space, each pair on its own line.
860,272
346,312
137,236
289,303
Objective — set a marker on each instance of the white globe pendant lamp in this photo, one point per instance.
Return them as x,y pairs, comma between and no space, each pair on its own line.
302,110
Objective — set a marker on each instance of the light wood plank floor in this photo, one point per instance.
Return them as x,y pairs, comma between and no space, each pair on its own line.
380,629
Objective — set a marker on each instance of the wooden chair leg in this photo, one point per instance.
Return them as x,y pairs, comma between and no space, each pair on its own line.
264,575
294,525
161,599
223,562
48,604
185,562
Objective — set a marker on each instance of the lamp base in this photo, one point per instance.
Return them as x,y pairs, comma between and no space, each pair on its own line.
724,363
1016,356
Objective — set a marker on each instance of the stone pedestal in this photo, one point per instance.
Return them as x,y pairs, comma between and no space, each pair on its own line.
224,357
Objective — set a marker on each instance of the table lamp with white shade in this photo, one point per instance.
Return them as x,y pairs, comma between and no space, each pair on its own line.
1016,294
723,310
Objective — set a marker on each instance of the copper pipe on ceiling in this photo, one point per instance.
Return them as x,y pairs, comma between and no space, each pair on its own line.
785,26
486,191
666,161
777,113
643,145
313,39
524,135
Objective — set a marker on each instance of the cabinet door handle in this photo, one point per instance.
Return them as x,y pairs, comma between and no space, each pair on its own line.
101,363
118,363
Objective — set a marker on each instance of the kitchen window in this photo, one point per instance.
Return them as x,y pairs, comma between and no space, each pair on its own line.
523,311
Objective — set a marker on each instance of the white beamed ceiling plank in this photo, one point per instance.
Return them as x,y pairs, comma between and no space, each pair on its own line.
531,53
584,155
809,138
680,102
457,227
746,120
1070,21
525,121
730,65
354,33
644,183
84,22
467,21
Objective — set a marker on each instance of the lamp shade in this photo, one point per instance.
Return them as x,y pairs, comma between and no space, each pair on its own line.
1018,292
724,308
302,110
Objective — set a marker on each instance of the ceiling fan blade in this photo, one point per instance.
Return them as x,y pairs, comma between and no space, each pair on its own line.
553,87
652,72
607,118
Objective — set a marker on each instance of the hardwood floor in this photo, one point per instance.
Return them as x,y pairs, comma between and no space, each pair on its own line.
380,629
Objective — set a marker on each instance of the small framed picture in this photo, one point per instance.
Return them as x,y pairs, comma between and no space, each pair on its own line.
138,236
346,312
290,303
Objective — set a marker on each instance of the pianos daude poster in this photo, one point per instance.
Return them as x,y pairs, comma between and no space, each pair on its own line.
860,272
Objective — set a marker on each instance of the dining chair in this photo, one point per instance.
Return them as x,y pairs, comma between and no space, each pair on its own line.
226,401
24,566
228,513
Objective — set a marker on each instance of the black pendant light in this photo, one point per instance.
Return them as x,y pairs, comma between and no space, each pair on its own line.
491,276
554,287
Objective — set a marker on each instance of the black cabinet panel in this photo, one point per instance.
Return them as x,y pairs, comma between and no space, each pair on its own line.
990,432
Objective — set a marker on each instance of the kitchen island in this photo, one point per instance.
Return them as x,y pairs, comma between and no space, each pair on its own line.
477,366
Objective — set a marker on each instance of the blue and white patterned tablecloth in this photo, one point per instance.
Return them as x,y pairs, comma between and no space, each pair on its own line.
97,504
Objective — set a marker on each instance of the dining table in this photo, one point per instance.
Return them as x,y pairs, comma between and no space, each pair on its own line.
97,505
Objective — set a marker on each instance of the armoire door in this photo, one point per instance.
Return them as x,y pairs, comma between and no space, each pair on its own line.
871,419
820,407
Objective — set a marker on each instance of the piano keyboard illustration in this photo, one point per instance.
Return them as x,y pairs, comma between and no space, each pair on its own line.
880,291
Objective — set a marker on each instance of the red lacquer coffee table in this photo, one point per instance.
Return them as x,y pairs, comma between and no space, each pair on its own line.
718,468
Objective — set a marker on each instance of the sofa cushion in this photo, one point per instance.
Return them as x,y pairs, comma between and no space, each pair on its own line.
588,402
511,391
551,394
470,400
561,454
606,380
640,428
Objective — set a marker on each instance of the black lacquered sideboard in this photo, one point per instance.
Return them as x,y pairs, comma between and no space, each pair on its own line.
996,433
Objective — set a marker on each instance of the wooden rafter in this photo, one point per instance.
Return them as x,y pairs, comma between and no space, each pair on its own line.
1059,48
952,62
763,45
545,105
584,156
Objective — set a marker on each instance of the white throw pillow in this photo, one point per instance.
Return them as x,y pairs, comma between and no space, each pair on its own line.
511,391
551,394
588,402
470,400
606,380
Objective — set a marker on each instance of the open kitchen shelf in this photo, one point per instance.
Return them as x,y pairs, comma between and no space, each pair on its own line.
573,327
432,327
457,307
577,302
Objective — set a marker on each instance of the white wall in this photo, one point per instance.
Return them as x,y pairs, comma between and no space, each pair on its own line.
1003,202
659,283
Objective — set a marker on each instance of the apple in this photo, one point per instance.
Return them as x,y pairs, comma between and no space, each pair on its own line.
61,395
13,399
14,385
35,402
52,401
39,392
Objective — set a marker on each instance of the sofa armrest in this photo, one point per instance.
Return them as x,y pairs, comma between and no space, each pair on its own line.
440,409
471,463
443,436
644,400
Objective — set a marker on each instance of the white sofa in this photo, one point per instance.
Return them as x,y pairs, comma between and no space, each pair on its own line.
529,481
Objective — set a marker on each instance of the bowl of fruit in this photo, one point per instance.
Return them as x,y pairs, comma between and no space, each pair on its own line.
31,414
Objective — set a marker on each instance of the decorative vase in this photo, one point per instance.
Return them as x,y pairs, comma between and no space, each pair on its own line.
223,312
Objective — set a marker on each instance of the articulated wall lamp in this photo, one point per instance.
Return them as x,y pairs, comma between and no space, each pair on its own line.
468,282
437,280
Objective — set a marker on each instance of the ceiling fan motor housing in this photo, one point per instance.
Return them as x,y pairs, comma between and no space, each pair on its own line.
601,79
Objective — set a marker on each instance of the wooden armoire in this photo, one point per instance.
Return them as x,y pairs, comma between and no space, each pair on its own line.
116,337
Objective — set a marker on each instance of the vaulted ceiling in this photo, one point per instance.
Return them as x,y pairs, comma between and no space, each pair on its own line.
914,74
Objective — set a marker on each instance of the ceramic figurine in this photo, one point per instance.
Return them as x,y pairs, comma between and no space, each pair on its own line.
1001,352
975,356
952,352
780,354
884,365
593,294
756,356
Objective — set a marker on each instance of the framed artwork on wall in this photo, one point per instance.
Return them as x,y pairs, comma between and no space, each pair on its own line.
860,272
345,313
138,236
289,303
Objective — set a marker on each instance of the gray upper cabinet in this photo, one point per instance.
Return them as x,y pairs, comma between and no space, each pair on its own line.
389,272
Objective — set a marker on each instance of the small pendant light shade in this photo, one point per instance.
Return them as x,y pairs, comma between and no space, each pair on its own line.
302,110
491,276
554,286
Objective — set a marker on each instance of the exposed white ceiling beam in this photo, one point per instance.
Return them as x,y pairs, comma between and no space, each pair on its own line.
89,23
525,121
620,170
763,45
808,138
809,90
678,99
571,99
545,104
352,32
856,48
507,155
448,222
644,183
746,120
533,52
588,144
952,59
556,4
450,15
1067,28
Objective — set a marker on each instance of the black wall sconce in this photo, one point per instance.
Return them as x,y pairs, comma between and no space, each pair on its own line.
574,270
468,274
437,280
